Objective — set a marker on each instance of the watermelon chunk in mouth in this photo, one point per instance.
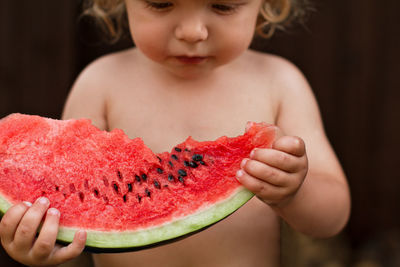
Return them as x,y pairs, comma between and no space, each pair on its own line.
125,196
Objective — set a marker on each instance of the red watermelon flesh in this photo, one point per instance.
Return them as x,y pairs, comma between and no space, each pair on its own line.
117,188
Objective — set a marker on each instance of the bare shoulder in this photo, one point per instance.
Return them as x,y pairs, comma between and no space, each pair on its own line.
298,112
89,93
101,71
281,77
285,83
278,70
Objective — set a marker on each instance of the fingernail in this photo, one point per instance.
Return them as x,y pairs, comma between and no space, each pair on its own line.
81,235
27,203
243,163
239,173
253,152
43,200
53,211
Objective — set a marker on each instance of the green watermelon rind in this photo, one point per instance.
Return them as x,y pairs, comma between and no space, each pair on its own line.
4,205
103,241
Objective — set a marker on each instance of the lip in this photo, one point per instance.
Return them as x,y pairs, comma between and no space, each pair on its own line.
191,60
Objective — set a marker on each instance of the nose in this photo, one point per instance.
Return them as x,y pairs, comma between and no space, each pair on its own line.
191,29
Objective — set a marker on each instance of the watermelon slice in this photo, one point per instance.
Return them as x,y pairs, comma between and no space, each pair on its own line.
125,196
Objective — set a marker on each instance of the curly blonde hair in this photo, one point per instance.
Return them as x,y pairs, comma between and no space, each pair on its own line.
279,14
110,15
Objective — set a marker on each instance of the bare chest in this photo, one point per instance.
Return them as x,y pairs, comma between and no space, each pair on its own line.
164,118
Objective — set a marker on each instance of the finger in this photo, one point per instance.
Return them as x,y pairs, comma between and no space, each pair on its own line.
265,172
11,220
26,231
44,244
270,194
290,144
71,251
277,159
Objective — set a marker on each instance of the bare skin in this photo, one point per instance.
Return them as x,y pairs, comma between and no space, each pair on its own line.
206,118
195,108
192,75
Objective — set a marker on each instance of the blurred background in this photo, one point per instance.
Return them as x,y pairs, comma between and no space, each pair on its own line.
350,53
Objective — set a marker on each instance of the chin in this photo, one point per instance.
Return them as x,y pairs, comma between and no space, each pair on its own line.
191,73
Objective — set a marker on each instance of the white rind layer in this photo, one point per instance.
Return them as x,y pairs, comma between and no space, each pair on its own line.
145,237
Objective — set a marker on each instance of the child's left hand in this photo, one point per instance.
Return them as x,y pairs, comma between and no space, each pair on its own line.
275,174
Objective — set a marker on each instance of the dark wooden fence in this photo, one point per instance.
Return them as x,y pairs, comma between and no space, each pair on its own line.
349,51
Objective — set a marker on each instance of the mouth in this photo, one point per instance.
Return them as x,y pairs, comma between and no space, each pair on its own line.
191,59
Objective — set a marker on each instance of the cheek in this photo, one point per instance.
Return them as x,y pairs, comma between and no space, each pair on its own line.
147,40
149,37
238,35
236,42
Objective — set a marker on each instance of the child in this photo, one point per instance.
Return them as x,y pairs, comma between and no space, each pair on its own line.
191,73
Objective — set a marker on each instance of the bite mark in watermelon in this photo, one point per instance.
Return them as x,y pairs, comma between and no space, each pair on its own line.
125,196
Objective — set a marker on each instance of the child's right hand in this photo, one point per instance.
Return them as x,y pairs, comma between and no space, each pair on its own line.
18,229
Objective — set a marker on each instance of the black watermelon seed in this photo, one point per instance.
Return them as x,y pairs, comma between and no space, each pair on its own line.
157,184
165,185
159,159
159,170
57,188
180,178
81,196
137,177
182,173
177,149
171,178
186,163
148,193
202,162
129,187
96,192
175,157
125,198
187,150
171,164
193,164
144,177
197,157
115,187
139,198
119,174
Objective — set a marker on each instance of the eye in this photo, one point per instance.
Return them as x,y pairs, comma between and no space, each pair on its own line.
159,5
224,8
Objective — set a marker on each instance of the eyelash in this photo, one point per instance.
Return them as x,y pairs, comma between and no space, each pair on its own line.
224,9
160,6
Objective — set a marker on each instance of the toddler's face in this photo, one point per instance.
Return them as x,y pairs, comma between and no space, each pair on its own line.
192,37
